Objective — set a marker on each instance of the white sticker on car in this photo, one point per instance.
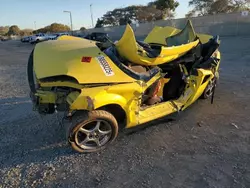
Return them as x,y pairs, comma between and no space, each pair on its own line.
105,66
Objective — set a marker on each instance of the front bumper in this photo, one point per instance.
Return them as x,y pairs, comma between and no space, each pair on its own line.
47,102
43,101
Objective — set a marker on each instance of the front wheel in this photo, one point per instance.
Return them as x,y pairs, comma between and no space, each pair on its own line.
92,131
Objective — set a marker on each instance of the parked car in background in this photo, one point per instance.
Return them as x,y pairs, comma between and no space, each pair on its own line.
41,37
97,36
60,34
25,39
4,38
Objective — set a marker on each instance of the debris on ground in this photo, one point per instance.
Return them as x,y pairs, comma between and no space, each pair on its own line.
236,126
200,123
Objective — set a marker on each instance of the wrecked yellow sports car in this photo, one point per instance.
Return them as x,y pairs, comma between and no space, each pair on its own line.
103,87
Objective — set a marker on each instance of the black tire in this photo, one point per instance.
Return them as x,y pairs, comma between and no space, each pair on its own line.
30,73
84,118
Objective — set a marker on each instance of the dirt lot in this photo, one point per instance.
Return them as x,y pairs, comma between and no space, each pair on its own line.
205,146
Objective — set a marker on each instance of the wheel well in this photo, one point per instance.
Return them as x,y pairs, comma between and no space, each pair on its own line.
118,112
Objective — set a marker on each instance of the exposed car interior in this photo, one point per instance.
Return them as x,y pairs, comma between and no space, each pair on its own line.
137,72
196,57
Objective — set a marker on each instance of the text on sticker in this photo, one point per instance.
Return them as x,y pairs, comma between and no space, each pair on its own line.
105,66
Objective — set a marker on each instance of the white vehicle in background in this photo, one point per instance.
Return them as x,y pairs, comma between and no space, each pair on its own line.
41,37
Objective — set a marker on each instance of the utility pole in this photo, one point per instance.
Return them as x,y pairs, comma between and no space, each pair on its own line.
91,15
66,11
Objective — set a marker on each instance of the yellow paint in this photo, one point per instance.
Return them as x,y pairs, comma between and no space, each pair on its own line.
159,35
63,57
128,48
66,37
197,86
155,112
46,96
191,94
72,97
128,97
54,84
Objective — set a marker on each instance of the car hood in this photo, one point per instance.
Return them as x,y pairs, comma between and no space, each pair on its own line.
69,56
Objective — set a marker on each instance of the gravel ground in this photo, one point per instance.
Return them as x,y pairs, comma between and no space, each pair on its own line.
205,146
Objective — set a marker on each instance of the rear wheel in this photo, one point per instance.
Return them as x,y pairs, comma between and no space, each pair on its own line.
208,92
92,131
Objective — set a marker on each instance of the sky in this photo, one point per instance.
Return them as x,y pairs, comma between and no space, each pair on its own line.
35,14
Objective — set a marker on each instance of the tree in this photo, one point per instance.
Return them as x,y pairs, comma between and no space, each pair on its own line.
227,6
99,23
201,7
166,6
206,7
156,10
56,27
4,30
26,32
42,30
53,28
190,14
13,30
82,29
148,13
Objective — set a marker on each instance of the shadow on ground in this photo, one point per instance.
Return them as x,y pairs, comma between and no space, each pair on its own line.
31,138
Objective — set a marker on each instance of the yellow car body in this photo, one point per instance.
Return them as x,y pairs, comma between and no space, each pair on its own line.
128,48
96,81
